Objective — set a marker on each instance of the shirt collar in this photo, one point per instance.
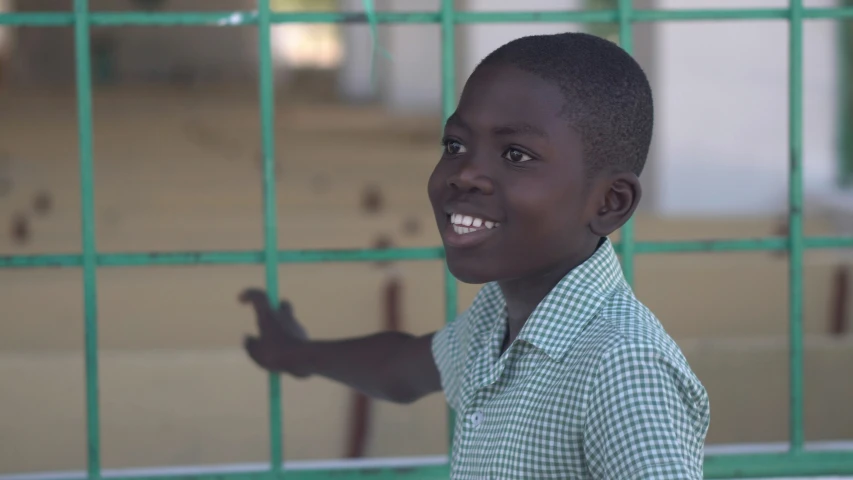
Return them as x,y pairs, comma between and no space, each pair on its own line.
573,302
569,306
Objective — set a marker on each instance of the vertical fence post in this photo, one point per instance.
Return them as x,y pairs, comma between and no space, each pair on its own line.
448,105
626,41
87,219
267,110
845,85
795,222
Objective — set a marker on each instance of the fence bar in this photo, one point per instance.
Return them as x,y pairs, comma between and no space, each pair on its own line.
845,86
448,105
398,254
240,18
626,41
87,217
267,98
612,16
804,463
427,472
795,223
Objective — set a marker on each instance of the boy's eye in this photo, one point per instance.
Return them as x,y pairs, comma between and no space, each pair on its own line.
517,156
452,147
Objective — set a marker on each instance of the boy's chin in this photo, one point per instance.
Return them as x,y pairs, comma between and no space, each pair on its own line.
470,272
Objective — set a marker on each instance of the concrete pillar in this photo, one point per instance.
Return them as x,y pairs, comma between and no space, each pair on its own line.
645,41
354,74
411,81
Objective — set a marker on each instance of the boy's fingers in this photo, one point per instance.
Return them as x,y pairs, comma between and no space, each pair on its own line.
289,323
252,294
253,348
263,311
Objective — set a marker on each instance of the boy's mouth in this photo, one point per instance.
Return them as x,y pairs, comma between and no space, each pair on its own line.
468,230
464,224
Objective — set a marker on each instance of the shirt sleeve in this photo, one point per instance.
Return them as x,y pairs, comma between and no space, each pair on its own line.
647,418
447,349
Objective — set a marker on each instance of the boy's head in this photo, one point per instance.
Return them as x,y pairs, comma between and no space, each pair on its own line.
542,155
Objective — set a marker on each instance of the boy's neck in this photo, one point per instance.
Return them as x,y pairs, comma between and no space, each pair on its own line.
523,295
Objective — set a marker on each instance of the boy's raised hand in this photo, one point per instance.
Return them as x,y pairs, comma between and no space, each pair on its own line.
279,334
393,366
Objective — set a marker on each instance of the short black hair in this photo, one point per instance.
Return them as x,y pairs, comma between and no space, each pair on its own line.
608,97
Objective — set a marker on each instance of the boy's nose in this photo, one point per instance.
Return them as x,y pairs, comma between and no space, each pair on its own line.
471,179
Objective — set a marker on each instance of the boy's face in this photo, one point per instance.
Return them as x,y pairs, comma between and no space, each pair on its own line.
514,166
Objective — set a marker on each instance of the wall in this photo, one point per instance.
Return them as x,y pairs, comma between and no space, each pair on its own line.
722,124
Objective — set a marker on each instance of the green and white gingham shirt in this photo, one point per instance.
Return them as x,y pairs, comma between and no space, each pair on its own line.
592,388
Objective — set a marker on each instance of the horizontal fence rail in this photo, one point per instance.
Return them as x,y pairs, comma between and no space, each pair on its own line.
797,461
249,257
242,18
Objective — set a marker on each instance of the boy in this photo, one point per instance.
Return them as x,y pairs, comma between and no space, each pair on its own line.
556,370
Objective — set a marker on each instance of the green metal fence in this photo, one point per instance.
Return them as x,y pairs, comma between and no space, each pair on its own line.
845,168
796,461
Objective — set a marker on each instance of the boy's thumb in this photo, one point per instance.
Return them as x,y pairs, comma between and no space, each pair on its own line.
251,344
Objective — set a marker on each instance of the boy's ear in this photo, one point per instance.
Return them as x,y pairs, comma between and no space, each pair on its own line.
618,197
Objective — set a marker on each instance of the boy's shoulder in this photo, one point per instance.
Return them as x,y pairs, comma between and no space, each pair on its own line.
625,322
626,336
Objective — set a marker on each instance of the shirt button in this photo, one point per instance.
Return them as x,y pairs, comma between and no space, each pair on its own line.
476,419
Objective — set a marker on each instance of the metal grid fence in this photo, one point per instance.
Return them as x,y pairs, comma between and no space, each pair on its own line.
797,461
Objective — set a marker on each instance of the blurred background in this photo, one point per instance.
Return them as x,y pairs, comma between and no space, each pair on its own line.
177,167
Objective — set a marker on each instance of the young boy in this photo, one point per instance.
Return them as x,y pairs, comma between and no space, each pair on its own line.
556,370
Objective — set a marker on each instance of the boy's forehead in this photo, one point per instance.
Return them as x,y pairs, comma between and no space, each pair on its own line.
502,94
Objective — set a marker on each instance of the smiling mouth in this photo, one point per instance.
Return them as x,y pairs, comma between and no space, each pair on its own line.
467,230
465,224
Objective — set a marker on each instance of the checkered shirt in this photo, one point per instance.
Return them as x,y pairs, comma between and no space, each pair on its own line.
592,388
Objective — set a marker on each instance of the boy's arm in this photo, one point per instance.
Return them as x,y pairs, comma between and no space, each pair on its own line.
392,366
648,416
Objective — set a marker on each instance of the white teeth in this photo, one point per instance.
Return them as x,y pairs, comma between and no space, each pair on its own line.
466,223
